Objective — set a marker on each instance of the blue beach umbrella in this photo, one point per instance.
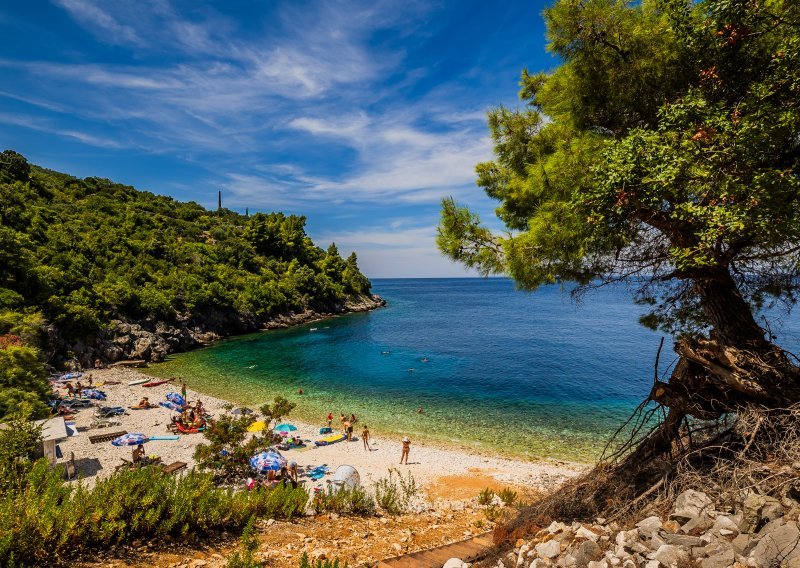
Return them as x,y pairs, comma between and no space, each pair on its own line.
171,405
176,398
285,428
267,461
130,440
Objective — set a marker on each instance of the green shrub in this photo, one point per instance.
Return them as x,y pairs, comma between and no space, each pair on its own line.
306,563
49,520
245,558
485,497
508,496
393,494
344,501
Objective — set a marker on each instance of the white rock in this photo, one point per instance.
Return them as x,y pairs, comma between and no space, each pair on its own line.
583,532
549,549
649,526
454,563
598,564
668,554
690,504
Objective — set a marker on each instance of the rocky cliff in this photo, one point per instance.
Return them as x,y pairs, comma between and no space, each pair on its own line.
152,341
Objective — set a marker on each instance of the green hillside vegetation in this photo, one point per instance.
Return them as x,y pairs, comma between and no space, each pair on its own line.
77,253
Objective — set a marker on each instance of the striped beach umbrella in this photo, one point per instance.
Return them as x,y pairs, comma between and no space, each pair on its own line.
267,461
130,440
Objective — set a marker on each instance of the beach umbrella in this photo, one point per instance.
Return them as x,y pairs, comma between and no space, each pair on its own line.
285,428
241,411
267,461
130,440
176,398
257,426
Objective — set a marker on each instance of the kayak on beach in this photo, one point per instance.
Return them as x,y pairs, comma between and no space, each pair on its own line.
156,383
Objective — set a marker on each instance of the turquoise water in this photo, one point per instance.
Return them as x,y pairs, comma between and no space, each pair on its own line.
528,374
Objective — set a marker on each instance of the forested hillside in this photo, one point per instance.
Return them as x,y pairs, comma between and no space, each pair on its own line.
78,254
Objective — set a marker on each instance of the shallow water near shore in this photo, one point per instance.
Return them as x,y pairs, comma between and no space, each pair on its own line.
492,368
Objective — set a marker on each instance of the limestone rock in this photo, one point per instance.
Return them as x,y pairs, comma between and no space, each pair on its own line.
689,505
724,559
669,554
454,563
780,544
549,549
649,526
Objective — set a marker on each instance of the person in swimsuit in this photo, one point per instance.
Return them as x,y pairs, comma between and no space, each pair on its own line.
365,438
406,450
330,419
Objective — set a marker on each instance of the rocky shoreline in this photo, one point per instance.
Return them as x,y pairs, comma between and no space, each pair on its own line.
151,341
756,531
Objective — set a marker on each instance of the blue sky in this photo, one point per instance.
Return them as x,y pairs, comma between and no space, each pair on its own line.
359,115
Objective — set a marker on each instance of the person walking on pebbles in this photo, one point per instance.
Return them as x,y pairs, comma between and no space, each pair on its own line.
365,438
406,450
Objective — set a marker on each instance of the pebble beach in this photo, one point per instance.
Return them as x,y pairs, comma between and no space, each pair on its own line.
445,473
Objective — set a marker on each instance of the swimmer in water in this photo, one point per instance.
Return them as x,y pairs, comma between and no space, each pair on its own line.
425,359
411,369
420,410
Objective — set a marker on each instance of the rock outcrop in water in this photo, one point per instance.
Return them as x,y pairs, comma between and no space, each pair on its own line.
152,341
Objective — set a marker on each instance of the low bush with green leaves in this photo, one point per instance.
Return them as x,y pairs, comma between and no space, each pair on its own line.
485,497
48,520
306,563
394,493
344,501
246,557
507,496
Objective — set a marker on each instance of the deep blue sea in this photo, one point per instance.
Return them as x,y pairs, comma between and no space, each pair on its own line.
491,367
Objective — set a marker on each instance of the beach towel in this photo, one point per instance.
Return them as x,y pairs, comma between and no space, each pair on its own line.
170,405
176,398
317,473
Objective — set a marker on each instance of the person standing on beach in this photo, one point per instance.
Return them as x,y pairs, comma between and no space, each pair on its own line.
183,389
342,419
406,450
330,419
365,438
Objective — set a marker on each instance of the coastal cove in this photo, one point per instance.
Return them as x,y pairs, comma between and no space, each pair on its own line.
530,375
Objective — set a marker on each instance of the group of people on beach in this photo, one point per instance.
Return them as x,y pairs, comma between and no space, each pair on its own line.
347,431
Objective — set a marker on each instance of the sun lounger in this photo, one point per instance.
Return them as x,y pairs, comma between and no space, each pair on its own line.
98,438
104,422
175,467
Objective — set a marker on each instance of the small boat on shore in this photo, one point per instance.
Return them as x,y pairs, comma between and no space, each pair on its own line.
137,382
156,383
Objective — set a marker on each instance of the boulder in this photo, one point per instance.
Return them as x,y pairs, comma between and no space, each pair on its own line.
587,551
724,559
697,525
689,505
669,554
683,540
586,533
549,549
454,563
780,544
757,510
598,564
649,526
743,543
723,523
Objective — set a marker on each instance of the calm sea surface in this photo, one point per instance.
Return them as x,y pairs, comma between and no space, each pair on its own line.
529,374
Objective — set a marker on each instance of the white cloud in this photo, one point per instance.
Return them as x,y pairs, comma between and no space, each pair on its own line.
395,252
97,20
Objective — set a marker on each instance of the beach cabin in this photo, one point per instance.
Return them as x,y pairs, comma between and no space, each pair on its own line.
54,430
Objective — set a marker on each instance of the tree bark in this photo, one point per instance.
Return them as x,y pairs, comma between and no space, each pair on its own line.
729,314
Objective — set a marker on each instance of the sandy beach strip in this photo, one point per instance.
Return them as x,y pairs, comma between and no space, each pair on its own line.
446,473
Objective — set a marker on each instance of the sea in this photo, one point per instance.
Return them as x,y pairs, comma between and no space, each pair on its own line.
472,362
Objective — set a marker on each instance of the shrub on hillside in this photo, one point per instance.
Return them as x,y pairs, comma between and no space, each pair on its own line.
49,520
344,501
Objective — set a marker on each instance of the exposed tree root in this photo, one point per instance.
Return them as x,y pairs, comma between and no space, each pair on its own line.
727,421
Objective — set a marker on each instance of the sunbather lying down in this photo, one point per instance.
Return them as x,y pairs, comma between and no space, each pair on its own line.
145,403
